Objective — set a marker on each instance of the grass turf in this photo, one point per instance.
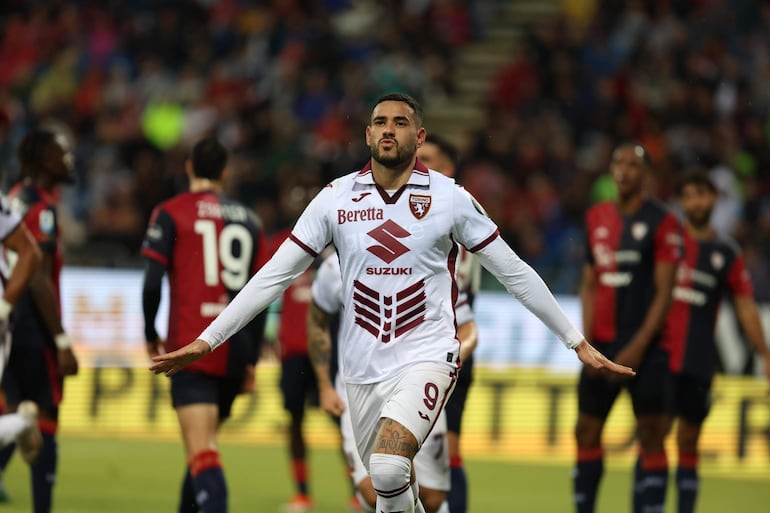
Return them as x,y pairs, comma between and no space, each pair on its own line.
138,476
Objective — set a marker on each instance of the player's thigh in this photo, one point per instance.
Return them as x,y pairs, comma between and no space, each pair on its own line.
431,463
32,374
195,398
692,399
401,399
596,394
297,383
652,390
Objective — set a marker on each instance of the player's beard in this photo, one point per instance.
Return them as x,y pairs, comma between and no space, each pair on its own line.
403,156
699,219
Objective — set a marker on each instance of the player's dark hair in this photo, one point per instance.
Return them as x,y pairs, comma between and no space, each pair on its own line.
697,177
209,159
402,97
636,145
444,146
32,150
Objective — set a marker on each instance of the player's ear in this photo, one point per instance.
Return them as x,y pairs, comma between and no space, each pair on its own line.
225,174
421,135
188,169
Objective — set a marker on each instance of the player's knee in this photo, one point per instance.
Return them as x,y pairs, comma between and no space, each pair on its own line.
588,432
390,473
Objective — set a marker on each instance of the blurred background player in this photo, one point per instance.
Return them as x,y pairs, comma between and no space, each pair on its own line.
634,245
19,247
209,246
42,354
439,154
431,463
712,265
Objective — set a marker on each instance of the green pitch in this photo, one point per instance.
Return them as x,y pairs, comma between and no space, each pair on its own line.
137,476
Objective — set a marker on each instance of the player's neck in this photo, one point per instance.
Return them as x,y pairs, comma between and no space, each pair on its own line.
204,184
705,232
630,204
390,178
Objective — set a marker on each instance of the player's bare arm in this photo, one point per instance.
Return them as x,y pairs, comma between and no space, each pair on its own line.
21,242
44,293
748,315
319,349
469,339
664,276
151,292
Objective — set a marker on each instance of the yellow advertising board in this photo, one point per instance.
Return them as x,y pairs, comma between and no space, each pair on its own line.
511,414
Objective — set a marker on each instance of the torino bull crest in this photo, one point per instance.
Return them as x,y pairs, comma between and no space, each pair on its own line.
419,205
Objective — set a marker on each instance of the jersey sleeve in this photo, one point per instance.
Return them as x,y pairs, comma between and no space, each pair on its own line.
158,241
312,232
327,286
668,240
738,278
472,226
42,223
8,219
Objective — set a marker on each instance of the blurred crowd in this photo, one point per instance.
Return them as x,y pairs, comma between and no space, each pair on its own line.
287,85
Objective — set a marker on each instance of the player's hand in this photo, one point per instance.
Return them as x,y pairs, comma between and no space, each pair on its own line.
593,359
330,400
630,356
171,363
249,380
156,347
68,363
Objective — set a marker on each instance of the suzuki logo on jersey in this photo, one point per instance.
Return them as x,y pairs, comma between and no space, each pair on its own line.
419,205
387,234
389,317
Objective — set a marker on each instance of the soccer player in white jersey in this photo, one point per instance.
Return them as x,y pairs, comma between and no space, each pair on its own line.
19,259
396,226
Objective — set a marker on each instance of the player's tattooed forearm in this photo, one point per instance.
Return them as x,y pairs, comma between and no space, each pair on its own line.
319,342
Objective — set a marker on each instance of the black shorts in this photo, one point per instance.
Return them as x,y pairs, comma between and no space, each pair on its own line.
32,371
456,404
692,398
298,384
651,389
196,388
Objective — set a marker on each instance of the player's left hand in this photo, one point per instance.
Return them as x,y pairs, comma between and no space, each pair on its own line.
171,363
68,363
596,360
156,347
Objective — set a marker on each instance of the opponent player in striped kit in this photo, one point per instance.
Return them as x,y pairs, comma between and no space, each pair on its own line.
396,226
209,246
712,265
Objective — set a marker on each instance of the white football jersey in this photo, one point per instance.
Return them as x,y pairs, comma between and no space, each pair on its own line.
397,255
9,220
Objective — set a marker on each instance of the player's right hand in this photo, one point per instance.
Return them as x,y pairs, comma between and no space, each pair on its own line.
596,360
171,363
330,401
68,363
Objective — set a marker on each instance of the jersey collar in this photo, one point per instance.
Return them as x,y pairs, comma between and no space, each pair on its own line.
419,176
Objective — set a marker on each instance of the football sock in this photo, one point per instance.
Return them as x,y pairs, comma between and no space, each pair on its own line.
390,475
44,469
209,482
418,507
187,502
655,470
299,470
10,426
638,485
458,492
586,478
687,482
